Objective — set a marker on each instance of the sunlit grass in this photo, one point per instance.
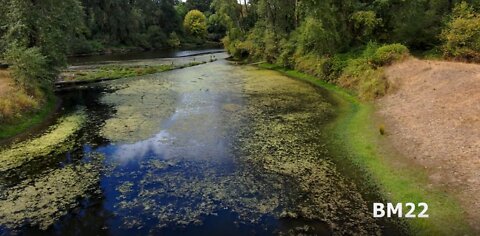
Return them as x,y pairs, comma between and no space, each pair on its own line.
20,110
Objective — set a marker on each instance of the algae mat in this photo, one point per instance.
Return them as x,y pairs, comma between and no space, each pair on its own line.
213,149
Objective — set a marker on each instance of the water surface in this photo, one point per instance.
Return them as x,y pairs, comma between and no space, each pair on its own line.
213,149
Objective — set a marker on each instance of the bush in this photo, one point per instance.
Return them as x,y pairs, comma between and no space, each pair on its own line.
195,24
313,37
388,54
15,102
461,36
287,50
216,27
28,67
360,76
173,40
311,64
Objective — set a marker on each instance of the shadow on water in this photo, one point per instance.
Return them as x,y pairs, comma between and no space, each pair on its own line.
209,150
165,53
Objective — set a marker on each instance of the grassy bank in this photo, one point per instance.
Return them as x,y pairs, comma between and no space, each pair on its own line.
356,133
29,119
21,110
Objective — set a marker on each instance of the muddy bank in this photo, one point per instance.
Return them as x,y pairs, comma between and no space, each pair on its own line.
432,118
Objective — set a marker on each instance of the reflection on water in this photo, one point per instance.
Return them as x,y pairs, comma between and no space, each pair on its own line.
212,149
163,53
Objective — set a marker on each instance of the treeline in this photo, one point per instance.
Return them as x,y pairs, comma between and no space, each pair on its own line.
348,41
146,24
37,36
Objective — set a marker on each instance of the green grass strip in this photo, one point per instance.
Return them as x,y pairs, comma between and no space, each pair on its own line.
356,133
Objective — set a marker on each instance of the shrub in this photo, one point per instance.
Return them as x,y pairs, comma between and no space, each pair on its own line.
173,40
461,36
314,38
195,24
388,54
287,50
14,101
28,66
381,129
360,76
272,50
311,64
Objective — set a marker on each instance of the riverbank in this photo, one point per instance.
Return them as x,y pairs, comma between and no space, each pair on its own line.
396,178
432,117
20,111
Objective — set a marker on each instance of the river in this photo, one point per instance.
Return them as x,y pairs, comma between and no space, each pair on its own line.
214,149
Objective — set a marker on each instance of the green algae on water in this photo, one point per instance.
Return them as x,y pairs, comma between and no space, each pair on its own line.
42,201
141,106
56,140
286,137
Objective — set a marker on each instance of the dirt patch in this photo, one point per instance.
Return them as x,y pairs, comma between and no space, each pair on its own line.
432,116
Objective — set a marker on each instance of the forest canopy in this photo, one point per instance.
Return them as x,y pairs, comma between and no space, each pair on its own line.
318,36
349,41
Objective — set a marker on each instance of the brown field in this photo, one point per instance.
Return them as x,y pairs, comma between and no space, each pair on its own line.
432,116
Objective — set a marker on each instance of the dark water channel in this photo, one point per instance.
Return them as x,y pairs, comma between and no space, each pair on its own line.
154,54
215,149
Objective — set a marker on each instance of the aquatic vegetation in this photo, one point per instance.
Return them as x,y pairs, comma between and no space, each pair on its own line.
356,141
141,105
56,140
42,201
114,72
285,137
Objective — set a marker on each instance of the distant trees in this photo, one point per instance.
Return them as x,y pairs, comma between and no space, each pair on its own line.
201,5
143,23
195,24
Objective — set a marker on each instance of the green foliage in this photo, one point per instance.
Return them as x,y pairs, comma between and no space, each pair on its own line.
314,37
461,36
28,66
216,28
364,24
312,64
195,24
173,40
388,54
140,23
201,5
364,74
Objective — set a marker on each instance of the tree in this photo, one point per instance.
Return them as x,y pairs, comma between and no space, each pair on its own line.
195,24
461,36
36,34
201,5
